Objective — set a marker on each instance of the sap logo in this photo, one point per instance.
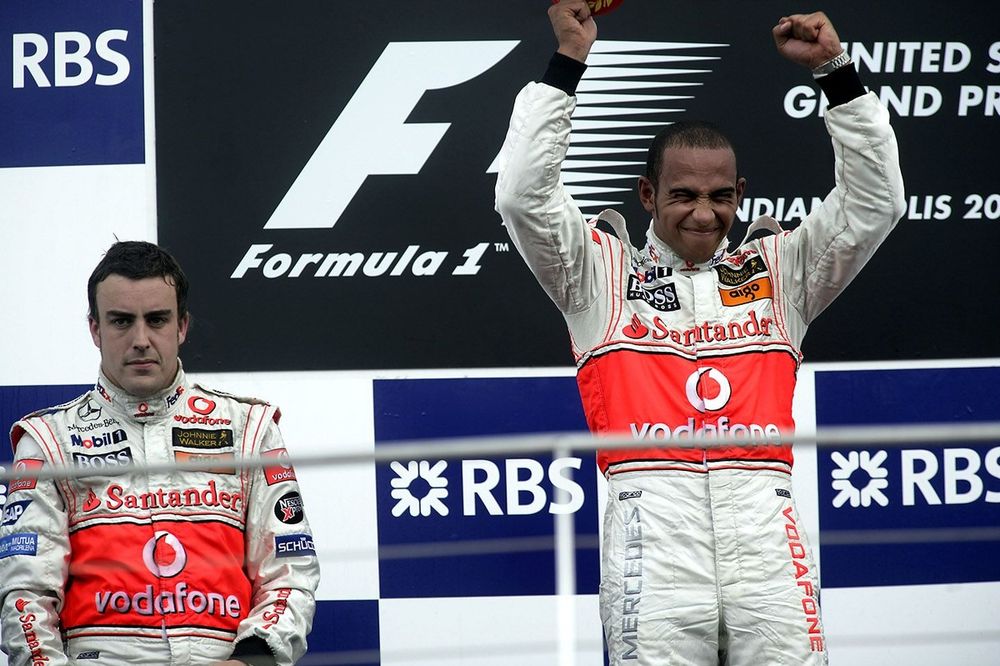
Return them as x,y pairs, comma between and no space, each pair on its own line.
13,511
521,487
861,477
71,63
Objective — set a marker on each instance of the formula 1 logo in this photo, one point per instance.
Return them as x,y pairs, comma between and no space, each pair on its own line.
371,136
431,501
707,389
164,555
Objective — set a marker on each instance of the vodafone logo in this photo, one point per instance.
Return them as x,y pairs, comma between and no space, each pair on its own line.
164,555
708,389
200,405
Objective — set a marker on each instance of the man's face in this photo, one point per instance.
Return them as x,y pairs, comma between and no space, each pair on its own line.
138,333
695,203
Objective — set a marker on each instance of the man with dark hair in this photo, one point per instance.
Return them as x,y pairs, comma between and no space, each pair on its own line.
121,566
704,559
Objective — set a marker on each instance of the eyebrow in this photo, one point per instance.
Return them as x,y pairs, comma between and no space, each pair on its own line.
152,313
722,190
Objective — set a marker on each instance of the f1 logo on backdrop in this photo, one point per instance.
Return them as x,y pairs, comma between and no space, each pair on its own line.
371,135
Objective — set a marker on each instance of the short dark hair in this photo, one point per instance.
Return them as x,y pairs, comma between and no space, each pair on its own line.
136,260
684,134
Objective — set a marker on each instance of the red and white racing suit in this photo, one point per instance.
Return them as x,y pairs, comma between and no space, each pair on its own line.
171,567
703,552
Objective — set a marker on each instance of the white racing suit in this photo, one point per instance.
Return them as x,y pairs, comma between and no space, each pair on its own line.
156,568
704,559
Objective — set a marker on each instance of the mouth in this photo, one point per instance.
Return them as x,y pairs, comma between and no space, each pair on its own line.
142,363
710,231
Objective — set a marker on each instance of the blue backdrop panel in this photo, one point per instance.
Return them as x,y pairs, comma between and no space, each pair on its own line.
869,490
71,80
498,541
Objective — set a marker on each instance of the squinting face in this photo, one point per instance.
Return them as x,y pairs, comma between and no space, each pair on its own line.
138,333
696,200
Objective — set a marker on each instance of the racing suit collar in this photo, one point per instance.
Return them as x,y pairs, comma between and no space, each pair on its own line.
661,254
143,410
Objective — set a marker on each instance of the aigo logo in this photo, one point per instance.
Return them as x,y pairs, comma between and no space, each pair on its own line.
520,482
164,555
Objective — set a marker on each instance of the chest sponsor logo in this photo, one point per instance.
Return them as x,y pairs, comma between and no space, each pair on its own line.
13,512
119,497
708,389
662,297
20,543
629,494
292,545
104,460
732,277
172,399
751,326
166,557
748,293
208,458
25,483
89,411
197,438
281,472
99,440
103,424
202,407
288,509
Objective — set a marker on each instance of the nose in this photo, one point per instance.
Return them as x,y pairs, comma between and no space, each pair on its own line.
703,212
140,336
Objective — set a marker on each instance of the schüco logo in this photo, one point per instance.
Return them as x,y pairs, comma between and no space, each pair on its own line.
372,138
915,477
421,488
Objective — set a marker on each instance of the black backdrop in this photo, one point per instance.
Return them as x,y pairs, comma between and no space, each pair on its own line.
245,92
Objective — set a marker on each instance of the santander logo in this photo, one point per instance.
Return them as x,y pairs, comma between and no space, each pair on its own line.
636,329
20,605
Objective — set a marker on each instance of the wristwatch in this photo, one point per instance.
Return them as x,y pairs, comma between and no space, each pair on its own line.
834,63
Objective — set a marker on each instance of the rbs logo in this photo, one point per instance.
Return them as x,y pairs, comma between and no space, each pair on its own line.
68,59
520,485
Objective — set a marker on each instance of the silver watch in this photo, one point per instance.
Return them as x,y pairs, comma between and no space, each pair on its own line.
834,63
